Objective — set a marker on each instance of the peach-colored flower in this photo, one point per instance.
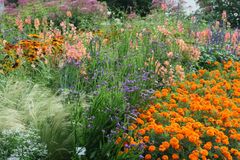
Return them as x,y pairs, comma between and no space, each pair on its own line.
36,23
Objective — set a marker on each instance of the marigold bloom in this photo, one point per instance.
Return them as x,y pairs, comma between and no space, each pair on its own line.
174,142
204,152
161,148
148,157
166,144
157,94
210,132
215,156
193,157
206,114
208,146
151,148
180,136
164,157
146,139
141,131
175,156
139,121
119,139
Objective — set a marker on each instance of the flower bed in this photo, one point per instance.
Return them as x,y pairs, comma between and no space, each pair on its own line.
194,119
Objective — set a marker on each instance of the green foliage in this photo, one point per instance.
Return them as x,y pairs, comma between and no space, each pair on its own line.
22,144
106,109
213,9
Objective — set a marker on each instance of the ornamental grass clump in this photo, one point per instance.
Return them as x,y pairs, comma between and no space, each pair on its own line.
24,106
197,118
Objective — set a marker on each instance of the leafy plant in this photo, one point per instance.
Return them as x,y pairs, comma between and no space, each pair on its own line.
22,144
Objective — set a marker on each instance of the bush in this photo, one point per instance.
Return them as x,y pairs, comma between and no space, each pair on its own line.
214,8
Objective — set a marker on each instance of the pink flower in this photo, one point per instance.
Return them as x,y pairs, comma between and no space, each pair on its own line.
76,51
234,37
227,36
170,54
63,25
164,6
19,23
166,63
28,20
163,30
180,26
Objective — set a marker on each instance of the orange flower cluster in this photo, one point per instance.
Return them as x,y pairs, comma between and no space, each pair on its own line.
29,50
198,118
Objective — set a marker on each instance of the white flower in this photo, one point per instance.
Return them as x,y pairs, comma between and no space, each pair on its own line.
81,151
109,13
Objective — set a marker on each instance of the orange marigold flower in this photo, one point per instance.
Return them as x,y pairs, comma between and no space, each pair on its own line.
141,131
208,146
158,129
174,142
151,148
146,139
119,139
218,139
175,156
164,157
210,132
215,156
166,144
233,151
140,121
193,157
157,94
180,136
148,157
225,141
132,127
204,152
161,148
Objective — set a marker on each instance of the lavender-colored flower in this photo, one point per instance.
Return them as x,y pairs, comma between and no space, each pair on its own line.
141,156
